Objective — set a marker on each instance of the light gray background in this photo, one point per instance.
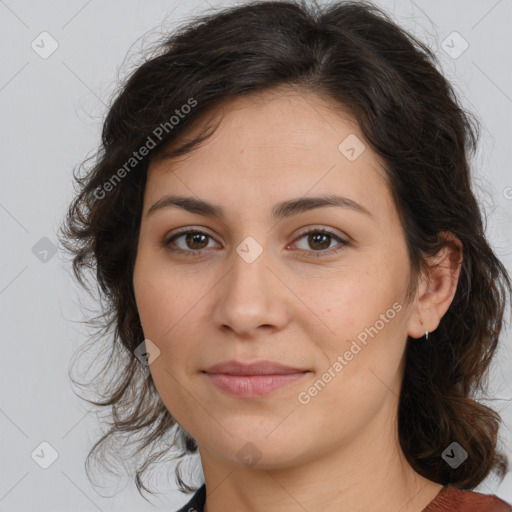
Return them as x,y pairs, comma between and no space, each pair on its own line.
51,116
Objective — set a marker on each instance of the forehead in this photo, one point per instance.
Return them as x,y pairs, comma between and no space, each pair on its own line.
272,146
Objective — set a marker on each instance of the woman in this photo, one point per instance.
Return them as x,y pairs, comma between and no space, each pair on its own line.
283,229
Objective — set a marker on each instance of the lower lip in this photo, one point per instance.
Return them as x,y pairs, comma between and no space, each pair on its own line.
248,386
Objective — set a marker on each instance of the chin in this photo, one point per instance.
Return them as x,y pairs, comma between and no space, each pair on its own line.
258,451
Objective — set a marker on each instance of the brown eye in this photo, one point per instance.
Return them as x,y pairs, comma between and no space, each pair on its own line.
194,241
319,240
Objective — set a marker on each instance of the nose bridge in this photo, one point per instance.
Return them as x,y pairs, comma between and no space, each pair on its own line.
250,296
248,280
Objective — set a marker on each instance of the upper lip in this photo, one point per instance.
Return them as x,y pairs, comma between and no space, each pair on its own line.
256,368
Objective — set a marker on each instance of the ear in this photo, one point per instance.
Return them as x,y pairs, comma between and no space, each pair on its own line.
436,287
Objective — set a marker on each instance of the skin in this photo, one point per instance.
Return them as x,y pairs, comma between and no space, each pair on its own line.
340,451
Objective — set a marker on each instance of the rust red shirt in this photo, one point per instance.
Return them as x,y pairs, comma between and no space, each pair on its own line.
454,500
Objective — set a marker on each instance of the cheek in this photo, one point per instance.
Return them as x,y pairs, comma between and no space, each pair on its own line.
166,309
362,329
351,299
161,294
362,375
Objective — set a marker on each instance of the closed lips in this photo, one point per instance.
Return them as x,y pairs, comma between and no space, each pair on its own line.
256,368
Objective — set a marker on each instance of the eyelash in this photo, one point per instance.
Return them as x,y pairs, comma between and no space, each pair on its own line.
312,254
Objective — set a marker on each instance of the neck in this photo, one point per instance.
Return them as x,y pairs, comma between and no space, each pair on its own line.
341,479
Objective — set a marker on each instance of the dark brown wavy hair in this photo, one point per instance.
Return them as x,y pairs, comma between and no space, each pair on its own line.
354,55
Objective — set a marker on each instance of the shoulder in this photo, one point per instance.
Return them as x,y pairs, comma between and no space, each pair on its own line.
455,500
196,503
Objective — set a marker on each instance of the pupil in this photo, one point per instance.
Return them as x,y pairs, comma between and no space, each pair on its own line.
194,237
321,235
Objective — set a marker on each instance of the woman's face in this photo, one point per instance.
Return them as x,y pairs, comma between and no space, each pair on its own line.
252,286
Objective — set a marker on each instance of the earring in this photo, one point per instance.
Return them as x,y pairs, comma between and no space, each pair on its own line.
426,332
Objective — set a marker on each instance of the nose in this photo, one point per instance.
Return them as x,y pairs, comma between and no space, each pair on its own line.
251,298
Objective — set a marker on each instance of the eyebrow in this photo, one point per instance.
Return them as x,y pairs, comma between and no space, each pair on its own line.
280,211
